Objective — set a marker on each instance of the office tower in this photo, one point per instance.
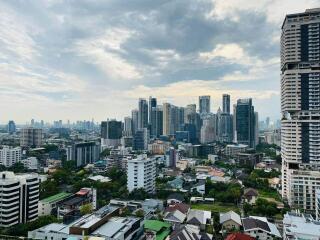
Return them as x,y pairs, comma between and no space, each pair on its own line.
32,122
208,130
300,106
11,127
83,153
142,114
245,125
10,155
134,116
226,103
156,128
192,132
166,119
225,121
152,104
256,127
111,133
204,104
19,198
127,128
141,139
31,137
141,173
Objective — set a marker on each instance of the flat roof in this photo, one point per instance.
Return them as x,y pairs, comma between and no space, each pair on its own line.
55,198
156,225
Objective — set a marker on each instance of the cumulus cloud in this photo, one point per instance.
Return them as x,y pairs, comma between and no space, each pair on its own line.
76,57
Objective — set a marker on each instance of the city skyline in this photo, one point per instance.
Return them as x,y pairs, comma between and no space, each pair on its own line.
69,60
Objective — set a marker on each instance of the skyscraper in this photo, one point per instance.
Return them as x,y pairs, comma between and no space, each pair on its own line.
83,153
152,104
300,106
134,116
226,103
127,127
156,128
208,130
111,133
141,139
11,127
204,104
245,126
166,119
142,113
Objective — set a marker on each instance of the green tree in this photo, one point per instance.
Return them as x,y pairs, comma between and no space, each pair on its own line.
86,209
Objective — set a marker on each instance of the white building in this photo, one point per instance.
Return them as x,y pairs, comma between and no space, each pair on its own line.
141,173
45,206
300,226
19,198
300,106
207,133
9,155
30,163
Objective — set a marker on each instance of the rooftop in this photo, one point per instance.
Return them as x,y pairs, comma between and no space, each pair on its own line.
56,198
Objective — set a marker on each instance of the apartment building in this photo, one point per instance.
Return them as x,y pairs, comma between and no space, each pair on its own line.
19,196
141,173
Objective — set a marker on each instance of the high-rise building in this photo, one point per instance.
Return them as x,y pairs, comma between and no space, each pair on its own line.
10,155
127,127
152,104
226,103
31,137
111,133
204,104
167,119
245,123
11,127
172,156
19,198
156,123
300,106
208,130
83,153
141,139
134,116
142,113
141,173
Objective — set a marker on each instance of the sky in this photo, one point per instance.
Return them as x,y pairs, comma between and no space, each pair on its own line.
84,59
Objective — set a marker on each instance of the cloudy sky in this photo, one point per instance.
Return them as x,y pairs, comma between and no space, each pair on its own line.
88,59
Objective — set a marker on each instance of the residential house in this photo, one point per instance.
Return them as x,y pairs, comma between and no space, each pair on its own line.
230,221
238,236
260,228
199,218
189,232
175,198
157,230
250,195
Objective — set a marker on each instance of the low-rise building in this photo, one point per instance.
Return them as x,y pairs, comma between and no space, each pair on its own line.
260,228
30,163
300,226
70,206
230,221
199,218
46,205
250,195
233,149
103,224
157,230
